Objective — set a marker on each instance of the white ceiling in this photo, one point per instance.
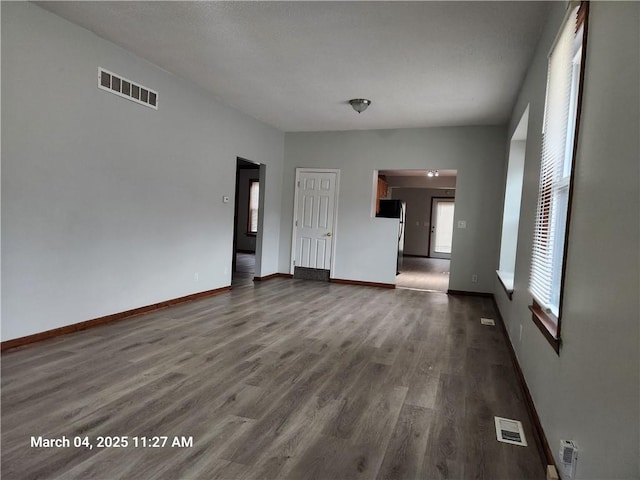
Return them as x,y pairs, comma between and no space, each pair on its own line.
294,65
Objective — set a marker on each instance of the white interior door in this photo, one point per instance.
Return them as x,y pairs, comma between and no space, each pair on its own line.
441,227
314,219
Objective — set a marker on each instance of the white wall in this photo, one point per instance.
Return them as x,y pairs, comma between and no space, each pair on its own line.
418,217
590,393
108,205
365,246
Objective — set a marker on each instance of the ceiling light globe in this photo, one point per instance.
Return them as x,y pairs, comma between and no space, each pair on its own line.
360,104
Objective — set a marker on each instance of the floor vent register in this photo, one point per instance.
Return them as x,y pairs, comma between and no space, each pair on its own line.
510,431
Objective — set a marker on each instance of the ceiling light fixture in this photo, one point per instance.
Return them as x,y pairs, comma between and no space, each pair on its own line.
360,104
432,173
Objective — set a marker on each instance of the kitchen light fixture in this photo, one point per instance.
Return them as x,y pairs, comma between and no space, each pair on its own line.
360,104
432,173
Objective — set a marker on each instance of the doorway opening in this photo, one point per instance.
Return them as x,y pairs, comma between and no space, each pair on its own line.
427,248
247,220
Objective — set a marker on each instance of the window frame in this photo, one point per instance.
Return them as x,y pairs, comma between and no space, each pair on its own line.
250,231
546,321
511,208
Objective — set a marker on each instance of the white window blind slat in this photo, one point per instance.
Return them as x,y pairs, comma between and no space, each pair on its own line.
557,150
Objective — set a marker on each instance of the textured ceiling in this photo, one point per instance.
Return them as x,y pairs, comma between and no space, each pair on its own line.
294,65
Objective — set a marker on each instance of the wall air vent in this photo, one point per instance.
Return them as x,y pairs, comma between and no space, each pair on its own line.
124,87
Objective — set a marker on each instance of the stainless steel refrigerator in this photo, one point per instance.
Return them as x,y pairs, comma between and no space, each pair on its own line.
395,209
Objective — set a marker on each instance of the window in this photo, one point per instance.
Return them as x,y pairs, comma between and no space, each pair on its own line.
254,201
559,140
512,200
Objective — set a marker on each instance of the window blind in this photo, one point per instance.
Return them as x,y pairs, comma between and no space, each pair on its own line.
254,192
555,171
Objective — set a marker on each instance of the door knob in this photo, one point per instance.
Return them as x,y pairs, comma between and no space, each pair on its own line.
328,234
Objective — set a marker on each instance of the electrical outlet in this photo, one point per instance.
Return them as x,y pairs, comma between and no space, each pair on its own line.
474,278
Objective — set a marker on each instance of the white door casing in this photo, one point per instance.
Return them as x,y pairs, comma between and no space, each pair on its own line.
314,218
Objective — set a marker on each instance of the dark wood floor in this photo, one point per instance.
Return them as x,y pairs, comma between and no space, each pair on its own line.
281,379
245,269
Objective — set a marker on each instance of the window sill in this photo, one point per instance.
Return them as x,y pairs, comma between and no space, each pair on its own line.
547,324
506,280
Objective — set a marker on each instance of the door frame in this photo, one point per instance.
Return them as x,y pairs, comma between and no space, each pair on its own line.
295,214
433,201
242,164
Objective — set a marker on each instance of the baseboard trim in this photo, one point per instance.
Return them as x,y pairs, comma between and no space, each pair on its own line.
362,284
115,317
272,276
546,457
470,294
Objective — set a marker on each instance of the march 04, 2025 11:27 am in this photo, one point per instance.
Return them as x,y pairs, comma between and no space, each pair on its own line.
112,442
